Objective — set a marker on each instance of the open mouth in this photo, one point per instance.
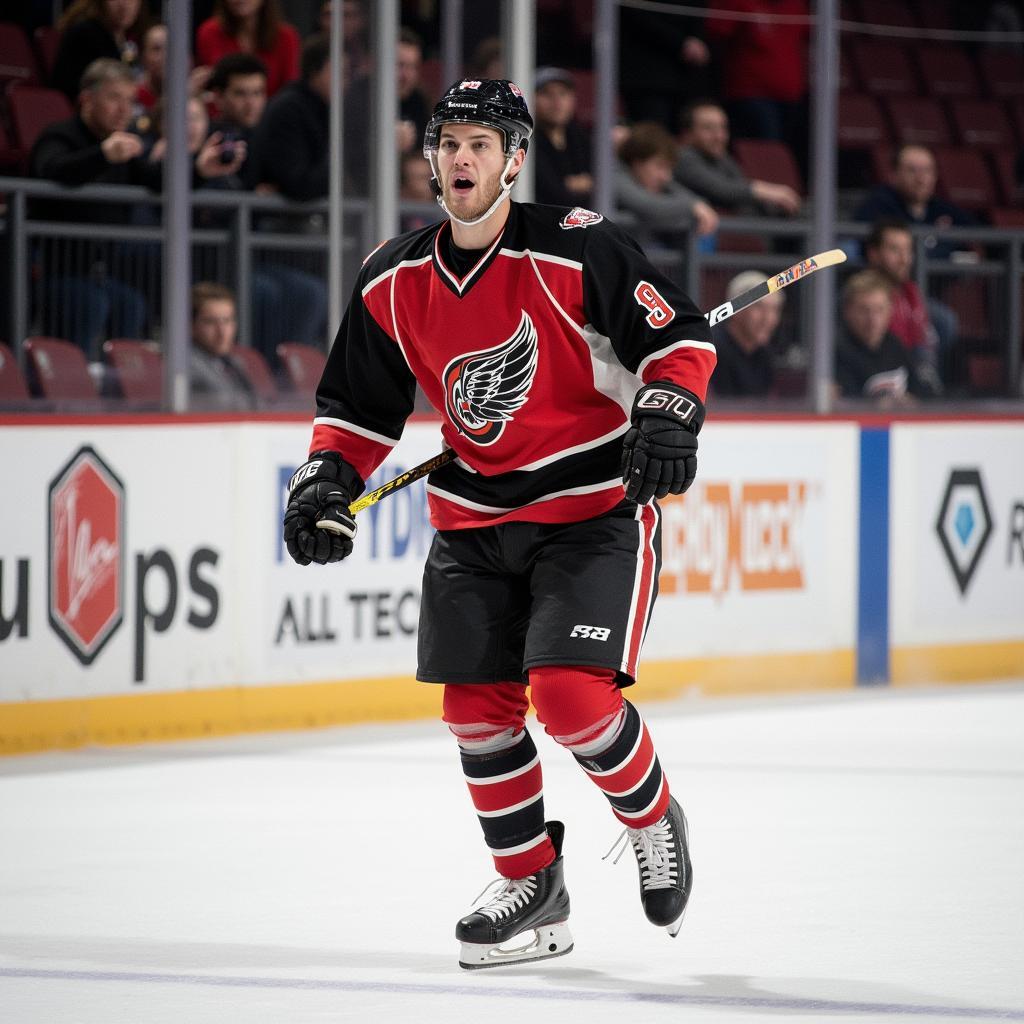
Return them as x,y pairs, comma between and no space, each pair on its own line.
461,185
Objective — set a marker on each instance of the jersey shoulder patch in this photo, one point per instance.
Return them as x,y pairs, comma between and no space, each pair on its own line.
579,217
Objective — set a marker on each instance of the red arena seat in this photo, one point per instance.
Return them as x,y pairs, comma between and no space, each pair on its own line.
32,109
769,161
861,122
982,123
1002,72
58,369
947,70
964,179
303,365
254,367
888,12
918,120
883,67
138,368
17,61
12,384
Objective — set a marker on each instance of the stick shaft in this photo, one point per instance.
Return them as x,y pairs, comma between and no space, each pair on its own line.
715,316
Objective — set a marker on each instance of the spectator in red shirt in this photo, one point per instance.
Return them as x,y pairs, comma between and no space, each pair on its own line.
765,74
90,29
890,250
251,26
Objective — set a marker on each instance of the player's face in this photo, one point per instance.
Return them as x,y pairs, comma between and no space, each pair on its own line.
470,161
215,326
868,315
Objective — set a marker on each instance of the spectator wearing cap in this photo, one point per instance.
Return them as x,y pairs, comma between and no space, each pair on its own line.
560,148
644,187
745,365
705,167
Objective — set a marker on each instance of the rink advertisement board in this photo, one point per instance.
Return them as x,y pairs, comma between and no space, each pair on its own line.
145,591
957,540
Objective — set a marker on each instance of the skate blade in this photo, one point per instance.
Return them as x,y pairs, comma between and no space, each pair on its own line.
548,941
673,928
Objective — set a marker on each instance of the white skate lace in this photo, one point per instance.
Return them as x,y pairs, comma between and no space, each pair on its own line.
655,851
514,893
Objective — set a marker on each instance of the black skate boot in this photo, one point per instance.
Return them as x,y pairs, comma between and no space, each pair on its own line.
535,908
663,859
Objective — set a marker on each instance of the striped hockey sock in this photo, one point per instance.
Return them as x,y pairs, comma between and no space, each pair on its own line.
626,769
506,788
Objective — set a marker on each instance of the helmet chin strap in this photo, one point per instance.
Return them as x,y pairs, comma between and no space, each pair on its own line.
506,188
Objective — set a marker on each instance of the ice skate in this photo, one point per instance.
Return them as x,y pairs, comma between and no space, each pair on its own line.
527,915
663,859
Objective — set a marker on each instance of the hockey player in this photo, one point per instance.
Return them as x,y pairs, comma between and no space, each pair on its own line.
570,376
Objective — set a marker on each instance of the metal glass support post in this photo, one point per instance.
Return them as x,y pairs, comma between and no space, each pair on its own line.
606,76
1015,284
241,253
17,272
451,41
519,34
823,160
384,158
177,262
335,208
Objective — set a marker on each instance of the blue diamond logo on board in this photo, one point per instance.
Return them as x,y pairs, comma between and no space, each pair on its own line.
964,524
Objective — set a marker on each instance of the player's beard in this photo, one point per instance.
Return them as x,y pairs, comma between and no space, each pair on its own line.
486,192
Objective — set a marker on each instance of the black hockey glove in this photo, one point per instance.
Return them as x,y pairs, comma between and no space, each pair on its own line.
317,524
659,452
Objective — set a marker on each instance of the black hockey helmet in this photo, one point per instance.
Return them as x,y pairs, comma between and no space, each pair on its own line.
493,102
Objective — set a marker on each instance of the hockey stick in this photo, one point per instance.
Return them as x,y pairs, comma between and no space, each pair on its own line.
715,316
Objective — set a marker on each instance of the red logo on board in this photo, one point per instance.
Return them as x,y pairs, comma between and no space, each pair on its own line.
86,554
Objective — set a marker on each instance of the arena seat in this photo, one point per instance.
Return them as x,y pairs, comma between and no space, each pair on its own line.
47,40
12,159
32,109
1006,217
918,120
964,178
255,369
935,14
884,67
768,161
303,365
57,369
17,61
947,71
982,123
1003,73
12,385
861,122
897,13
138,368
1015,108
1004,163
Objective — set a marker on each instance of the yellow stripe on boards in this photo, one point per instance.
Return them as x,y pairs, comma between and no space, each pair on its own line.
957,663
187,714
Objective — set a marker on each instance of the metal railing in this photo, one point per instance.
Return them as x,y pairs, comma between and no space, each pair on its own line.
242,239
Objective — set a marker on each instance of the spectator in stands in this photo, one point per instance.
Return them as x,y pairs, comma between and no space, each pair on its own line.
765,68
94,146
911,198
890,250
91,29
355,29
152,60
217,382
251,26
560,148
870,360
292,141
413,112
705,167
238,83
644,186
663,63
745,365
417,188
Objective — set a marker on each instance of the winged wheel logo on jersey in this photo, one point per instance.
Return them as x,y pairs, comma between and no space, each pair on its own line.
483,390
578,217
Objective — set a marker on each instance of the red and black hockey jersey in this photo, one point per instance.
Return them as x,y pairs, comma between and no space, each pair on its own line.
532,359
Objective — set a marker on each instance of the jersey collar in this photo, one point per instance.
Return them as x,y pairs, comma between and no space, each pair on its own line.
460,286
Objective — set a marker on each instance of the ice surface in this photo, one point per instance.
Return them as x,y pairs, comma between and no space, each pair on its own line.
856,857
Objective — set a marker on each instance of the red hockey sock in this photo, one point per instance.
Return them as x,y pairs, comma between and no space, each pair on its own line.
503,772
584,711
